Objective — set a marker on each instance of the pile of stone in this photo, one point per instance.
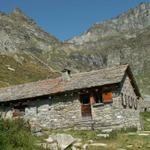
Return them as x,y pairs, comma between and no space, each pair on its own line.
63,141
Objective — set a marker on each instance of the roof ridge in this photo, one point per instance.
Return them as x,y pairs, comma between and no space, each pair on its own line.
112,67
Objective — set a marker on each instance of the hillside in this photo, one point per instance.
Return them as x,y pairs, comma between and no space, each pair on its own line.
27,53
20,37
124,39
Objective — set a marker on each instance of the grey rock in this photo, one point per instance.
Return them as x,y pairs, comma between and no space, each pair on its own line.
103,135
132,133
143,134
38,134
129,146
63,140
85,146
107,131
99,145
74,148
52,146
49,139
78,144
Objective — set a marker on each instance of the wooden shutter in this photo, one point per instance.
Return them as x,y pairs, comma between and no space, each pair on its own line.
107,97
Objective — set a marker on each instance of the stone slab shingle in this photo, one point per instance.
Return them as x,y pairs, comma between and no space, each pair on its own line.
51,86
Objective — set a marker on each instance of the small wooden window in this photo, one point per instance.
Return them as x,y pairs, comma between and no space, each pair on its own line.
107,97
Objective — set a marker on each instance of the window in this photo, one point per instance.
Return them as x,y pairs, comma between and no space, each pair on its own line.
97,96
107,97
85,98
85,106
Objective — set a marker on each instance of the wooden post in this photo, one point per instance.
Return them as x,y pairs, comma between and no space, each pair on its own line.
92,99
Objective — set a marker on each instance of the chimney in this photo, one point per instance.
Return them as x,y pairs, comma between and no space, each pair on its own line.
66,74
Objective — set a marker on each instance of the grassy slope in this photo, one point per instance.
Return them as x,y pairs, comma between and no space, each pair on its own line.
144,82
146,120
23,72
134,51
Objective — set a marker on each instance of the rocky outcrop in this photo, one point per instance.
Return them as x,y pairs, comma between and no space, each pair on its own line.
124,39
22,33
22,44
135,19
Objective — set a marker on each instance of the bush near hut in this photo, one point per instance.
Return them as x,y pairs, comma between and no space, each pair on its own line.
15,135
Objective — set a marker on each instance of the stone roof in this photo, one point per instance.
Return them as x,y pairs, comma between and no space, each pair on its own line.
77,81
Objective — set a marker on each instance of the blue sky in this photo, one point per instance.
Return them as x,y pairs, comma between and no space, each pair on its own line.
67,18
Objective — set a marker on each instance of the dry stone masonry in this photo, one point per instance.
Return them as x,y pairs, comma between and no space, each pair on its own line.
100,103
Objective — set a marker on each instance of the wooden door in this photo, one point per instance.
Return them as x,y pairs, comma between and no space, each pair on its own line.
85,106
86,111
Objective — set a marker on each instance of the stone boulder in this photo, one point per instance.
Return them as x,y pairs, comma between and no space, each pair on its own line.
63,140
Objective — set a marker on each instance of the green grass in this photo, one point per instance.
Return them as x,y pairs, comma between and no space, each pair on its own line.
117,139
146,120
25,71
14,135
143,80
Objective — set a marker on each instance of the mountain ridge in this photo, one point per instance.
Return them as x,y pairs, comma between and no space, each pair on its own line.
123,39
139,19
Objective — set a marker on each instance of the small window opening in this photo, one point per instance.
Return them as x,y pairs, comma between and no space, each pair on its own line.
97,96
85,98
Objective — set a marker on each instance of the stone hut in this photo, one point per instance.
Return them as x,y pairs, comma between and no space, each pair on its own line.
101,99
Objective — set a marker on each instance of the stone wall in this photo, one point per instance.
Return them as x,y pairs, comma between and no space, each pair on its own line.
58,111
116,115
145,106
64,111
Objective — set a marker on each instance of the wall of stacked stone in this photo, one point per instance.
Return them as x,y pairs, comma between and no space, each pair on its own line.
145,106
58,111
64,110
117,114
113,116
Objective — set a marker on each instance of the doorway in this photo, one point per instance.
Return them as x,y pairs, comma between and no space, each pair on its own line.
85,106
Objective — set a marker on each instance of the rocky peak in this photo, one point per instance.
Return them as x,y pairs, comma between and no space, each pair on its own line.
143,6
136,18
17,11
18,15
132,20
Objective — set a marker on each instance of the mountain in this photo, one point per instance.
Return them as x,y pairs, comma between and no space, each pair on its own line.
27,53
123,39
20,38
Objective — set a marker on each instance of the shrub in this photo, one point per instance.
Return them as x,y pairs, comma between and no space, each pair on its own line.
15,135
